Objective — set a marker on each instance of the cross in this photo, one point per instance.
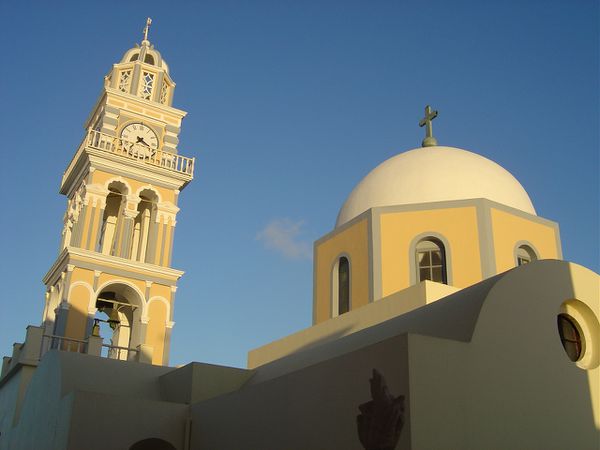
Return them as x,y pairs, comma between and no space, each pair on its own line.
147,28
429,140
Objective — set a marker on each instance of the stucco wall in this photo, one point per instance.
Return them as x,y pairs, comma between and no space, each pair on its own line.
353,243
458,226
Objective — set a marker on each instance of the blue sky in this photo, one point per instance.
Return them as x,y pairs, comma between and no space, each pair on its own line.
290,105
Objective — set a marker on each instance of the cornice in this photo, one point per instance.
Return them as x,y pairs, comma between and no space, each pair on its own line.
107,263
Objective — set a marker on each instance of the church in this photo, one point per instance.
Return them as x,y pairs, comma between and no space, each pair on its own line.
439,291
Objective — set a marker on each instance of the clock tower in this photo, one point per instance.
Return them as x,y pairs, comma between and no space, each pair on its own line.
113,275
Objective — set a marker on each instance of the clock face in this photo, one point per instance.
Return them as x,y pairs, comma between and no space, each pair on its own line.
141,138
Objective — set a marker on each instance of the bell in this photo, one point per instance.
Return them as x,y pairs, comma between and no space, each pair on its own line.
96,328
113,319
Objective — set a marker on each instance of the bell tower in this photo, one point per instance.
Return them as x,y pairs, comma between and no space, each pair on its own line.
113,273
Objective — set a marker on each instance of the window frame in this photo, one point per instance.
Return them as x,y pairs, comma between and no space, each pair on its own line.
335,288
446,251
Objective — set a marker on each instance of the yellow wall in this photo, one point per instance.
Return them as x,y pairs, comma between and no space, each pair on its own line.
79,297
155,332
457,225
352,241
509,229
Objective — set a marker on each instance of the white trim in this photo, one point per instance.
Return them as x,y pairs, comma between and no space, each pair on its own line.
148,187
154,299
82,283
522,243
118,179
412,250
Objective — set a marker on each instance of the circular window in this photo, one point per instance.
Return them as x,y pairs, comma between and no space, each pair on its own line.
570,336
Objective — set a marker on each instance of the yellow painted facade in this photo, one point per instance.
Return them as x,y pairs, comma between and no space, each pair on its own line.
114,265
352,242
458,227
480,239
509,230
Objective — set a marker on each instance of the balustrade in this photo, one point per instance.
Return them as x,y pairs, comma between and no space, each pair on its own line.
137,151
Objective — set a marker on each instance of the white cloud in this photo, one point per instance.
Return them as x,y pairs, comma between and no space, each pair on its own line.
283,235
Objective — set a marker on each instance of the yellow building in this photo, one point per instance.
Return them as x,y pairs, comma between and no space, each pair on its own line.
439,275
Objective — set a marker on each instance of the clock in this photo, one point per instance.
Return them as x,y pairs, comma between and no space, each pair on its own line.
140,139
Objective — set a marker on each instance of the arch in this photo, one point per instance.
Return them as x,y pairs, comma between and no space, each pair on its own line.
115,203
524,253
152,444
149,187
84,284
157,298
429,258
149,59
128,330
118,183
341,291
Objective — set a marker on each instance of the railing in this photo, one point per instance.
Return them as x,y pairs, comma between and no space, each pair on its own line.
52,342
116,352
139,152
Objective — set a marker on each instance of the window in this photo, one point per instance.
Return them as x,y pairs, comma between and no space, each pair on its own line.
431,261
164,93
124,80
343,285
569,336
525,255
146,85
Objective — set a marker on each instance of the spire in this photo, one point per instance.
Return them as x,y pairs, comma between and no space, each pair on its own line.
146,30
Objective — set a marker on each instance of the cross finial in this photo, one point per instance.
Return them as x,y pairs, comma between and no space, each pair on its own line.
429,140
147,28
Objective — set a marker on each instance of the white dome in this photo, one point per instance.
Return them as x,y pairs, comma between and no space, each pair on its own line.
433,174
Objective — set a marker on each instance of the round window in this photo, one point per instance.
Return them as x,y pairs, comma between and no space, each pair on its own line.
570,336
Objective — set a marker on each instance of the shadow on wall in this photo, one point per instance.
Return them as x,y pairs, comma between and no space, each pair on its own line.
152,444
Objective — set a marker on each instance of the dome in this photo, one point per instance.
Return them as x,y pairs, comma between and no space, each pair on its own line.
145,53
433,174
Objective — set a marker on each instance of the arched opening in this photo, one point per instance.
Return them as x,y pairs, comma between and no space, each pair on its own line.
431,260
111,219
341,286
118,312
144,225
149,59
525,254
134,57
152,444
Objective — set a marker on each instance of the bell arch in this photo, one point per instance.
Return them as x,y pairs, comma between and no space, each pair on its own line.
119,306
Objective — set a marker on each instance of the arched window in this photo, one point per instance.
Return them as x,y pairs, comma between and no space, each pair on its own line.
343,285
525,254
107,243
149,59
340,281
431,261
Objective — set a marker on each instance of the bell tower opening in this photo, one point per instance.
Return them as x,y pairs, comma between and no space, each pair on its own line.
117,320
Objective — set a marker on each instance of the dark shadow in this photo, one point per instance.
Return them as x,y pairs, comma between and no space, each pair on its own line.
152,444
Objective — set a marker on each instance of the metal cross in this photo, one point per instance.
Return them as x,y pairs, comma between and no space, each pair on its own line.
429,140
147,28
